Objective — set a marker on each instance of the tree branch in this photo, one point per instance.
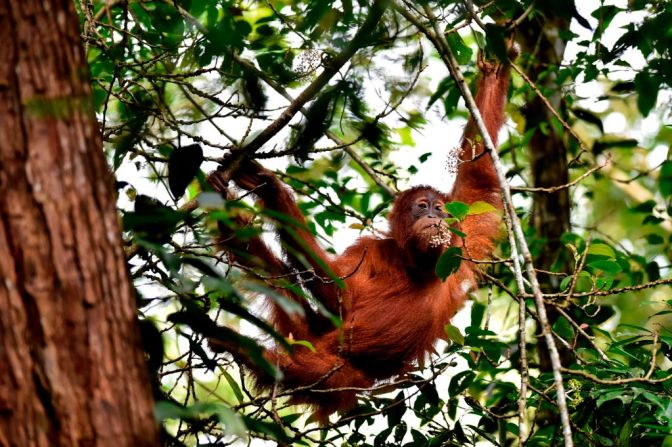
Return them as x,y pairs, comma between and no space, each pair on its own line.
331,68
348,150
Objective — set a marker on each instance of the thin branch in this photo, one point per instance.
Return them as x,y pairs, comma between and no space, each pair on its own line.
545,100
105,10
617,291
472,13
520,19
578,328
574,182
578,269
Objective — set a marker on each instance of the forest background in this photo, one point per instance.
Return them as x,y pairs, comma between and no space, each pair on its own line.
349,102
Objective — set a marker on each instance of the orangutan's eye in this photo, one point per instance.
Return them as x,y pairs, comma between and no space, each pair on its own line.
422,205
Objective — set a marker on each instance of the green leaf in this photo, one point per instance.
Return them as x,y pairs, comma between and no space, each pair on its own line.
448,263
604,283
589,117
232,421
563,328
270,429
665,178
610,395
164,409
406,136
606,265
654,239
152,220
462,52
601,145
458,210
442,88
644,207
566,281
480,207
653,270
451,100
232,384
625,433
601,250
647,88
396,412
454,334
496,40
304,343
458,232
183,165
459,382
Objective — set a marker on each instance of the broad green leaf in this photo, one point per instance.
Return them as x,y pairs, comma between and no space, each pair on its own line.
606,265
448,263
564,329
233,423
654,239
601,250
445,84
454,334
461,50
665,179
480,207
647,89
460,382
458,210
406,136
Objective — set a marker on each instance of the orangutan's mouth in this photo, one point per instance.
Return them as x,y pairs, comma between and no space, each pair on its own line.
442,236
434,225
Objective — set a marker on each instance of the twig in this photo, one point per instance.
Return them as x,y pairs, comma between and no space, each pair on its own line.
658,282
545,100
106,9
578,328
553,189
516,22
472,13
579,267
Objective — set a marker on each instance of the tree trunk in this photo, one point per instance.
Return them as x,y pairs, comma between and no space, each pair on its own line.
540,38
72,372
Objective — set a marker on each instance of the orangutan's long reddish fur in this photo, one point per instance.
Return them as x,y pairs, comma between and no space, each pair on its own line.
394,308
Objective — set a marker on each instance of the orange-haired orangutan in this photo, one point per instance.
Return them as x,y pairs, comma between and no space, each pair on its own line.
393,306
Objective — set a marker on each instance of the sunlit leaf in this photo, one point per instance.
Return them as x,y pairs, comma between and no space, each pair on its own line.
458,210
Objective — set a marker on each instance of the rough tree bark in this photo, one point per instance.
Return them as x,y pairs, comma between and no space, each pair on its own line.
72,372
540,38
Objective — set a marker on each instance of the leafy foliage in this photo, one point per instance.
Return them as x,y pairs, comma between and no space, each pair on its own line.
178,85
